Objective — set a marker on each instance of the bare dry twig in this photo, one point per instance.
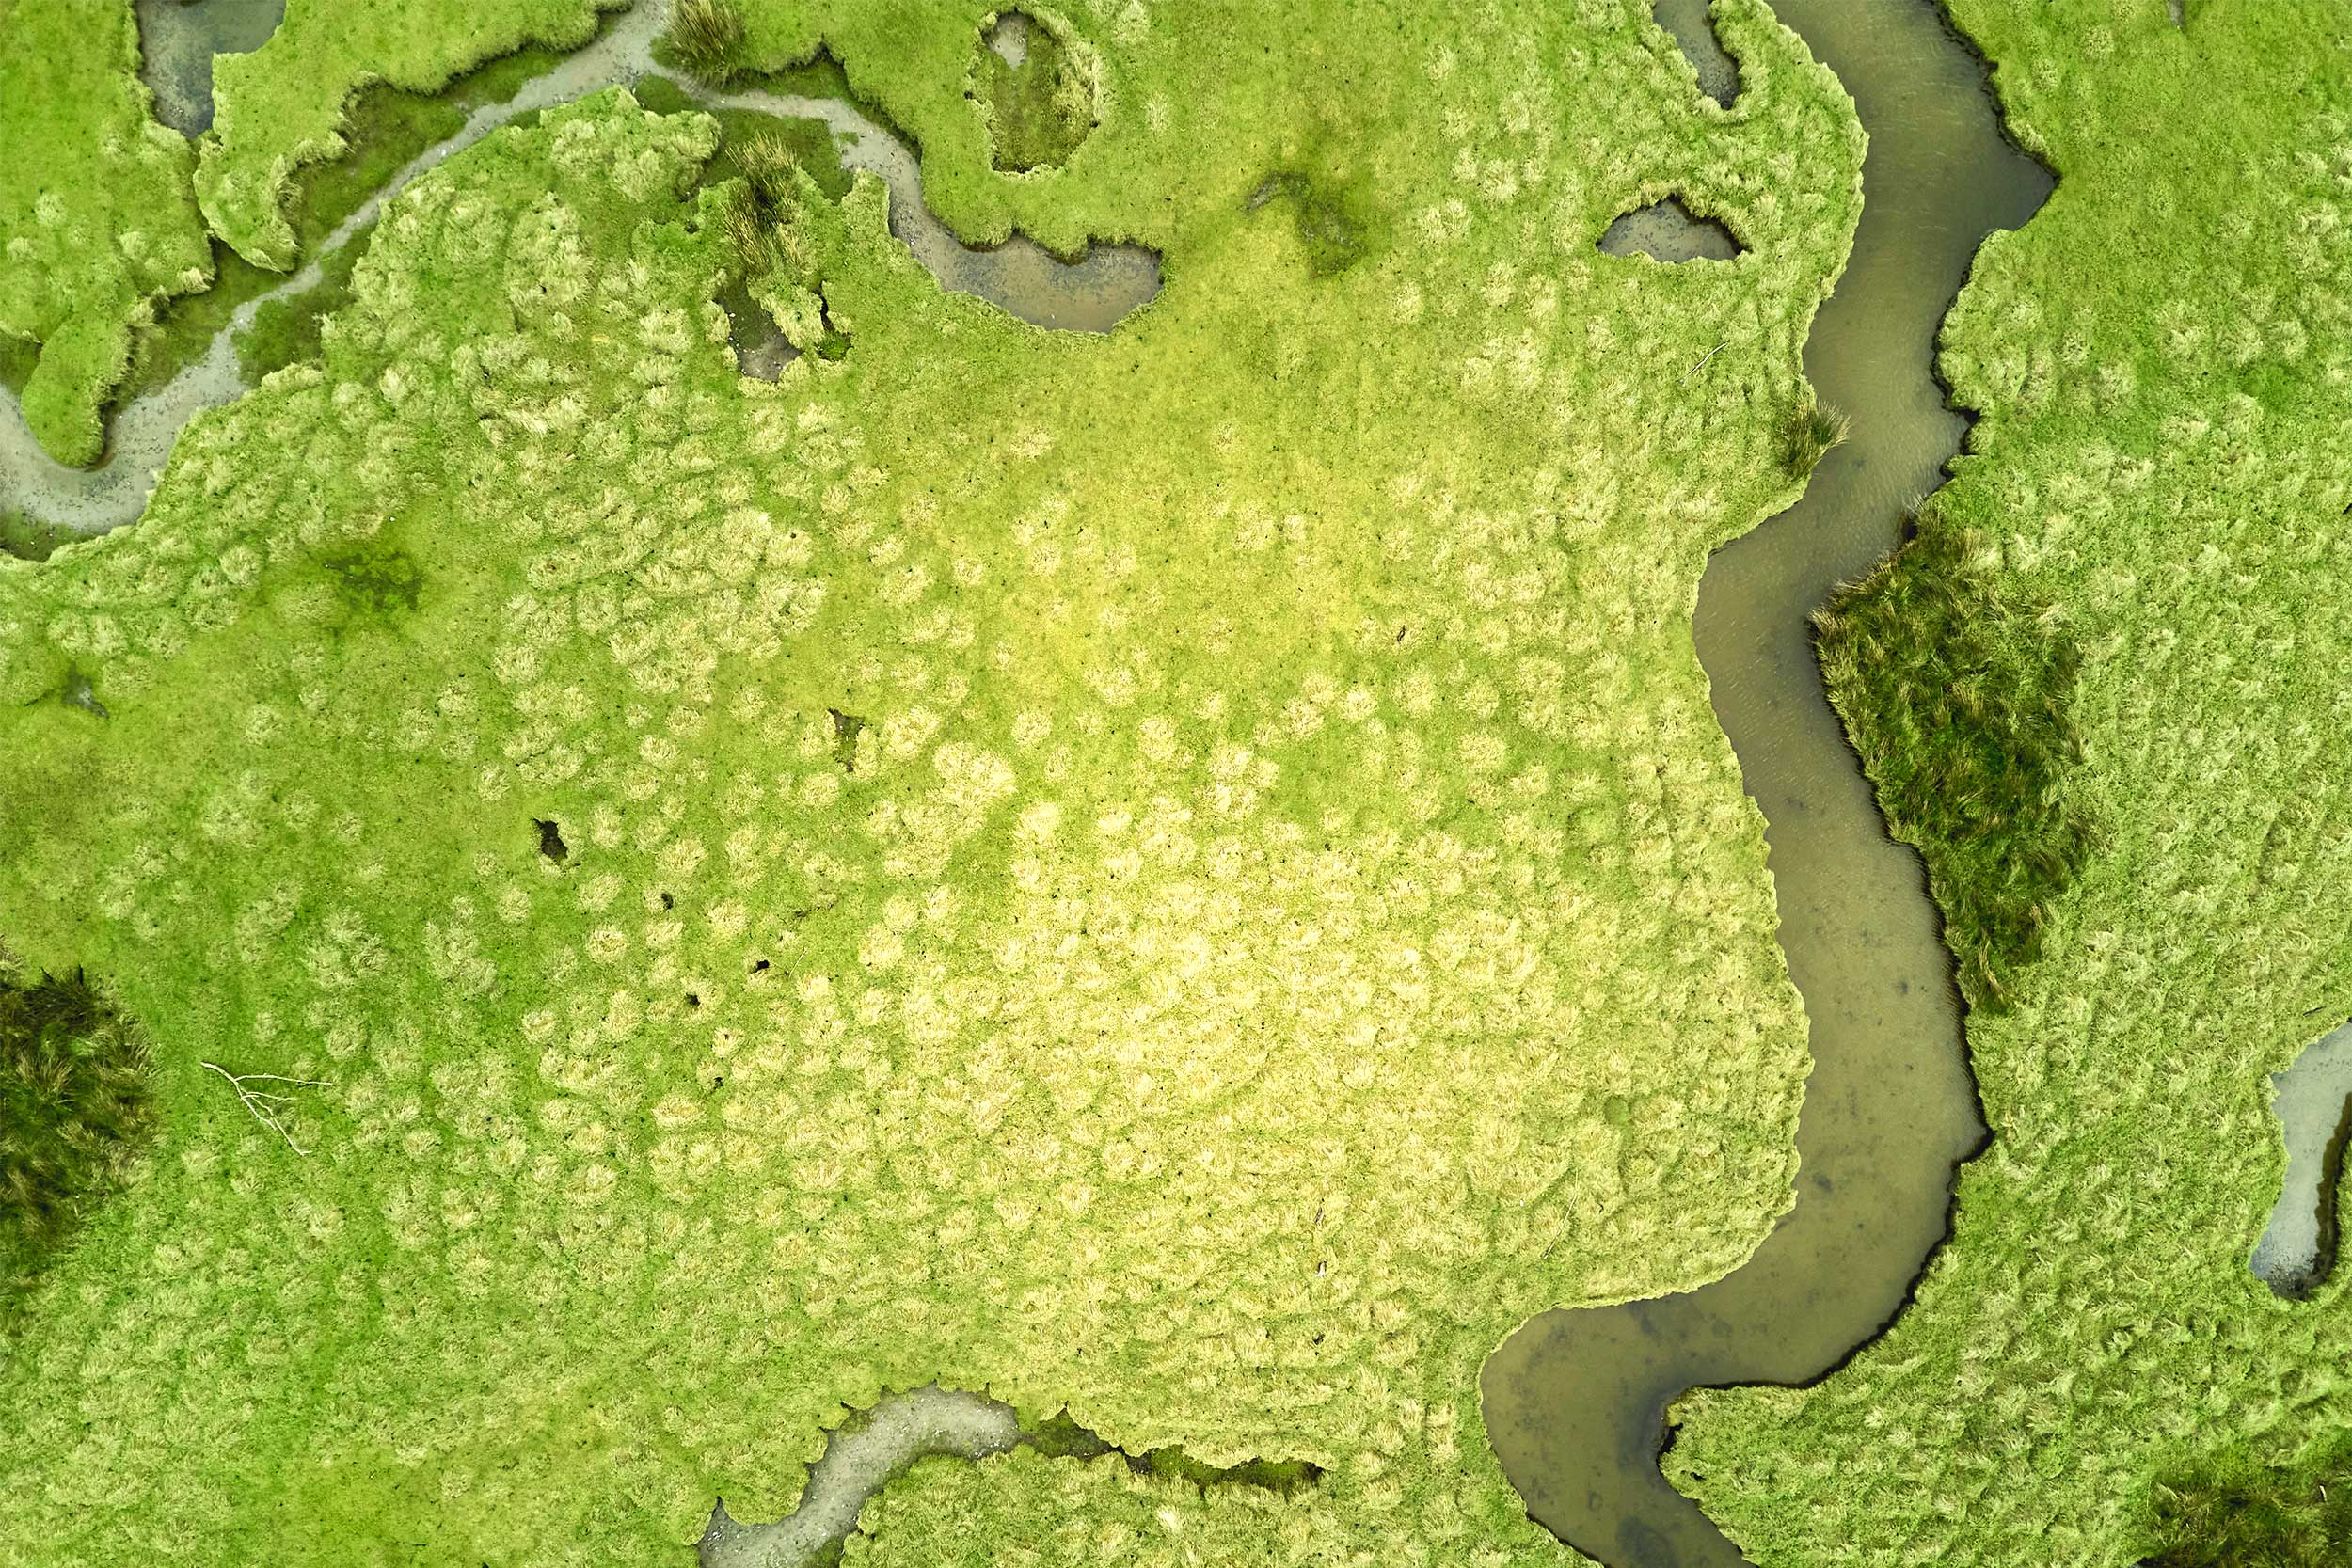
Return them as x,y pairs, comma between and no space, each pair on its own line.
267,1105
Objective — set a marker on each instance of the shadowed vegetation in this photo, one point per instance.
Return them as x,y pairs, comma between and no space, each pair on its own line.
1956,697
74,1106
1331,223
2238,1515
705,40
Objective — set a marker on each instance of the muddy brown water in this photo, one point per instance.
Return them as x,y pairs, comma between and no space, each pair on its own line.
1576,1401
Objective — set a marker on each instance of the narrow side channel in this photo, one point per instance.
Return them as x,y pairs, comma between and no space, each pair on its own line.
1092,293
1576,1401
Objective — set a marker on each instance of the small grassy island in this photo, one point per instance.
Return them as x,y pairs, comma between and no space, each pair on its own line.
576,915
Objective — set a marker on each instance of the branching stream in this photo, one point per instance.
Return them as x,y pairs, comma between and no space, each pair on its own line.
1092,294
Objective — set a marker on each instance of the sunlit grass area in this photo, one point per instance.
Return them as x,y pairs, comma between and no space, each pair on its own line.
2103,692
1185,876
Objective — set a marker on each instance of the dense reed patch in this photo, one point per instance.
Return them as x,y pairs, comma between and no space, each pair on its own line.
76,1107
1957,696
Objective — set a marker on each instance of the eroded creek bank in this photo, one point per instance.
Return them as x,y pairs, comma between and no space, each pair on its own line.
1090,295
1577,1401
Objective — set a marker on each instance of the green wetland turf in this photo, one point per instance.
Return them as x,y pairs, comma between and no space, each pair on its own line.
1185,876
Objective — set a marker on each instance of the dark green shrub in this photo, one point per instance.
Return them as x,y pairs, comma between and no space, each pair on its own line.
74,1106
1955,696
2236,1514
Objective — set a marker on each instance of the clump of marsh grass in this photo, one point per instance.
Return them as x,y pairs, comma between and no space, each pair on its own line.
74,1106
1956,695
1807,433
767,162
2236,1514
705,39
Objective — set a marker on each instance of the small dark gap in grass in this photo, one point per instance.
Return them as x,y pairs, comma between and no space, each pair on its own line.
2230,1513
1956,691
1692,25
552,840
1332,226
77,1103
1061,1438
846,729
1037,93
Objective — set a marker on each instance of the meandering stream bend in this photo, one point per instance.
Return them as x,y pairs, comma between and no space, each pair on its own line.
1577,1401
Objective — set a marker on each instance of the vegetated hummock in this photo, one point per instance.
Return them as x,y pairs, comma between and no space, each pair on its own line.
2133,596
97,219
1186,876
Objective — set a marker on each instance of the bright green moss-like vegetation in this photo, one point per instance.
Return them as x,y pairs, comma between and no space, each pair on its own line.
97,222
2131,595
74,1109
1186,874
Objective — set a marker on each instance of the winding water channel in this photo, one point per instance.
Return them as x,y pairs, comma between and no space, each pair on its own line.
1577,1401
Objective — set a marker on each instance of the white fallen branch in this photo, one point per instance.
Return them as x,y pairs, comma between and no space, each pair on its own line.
267,1104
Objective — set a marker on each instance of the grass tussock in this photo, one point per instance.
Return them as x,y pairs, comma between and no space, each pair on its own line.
1807,433
74,1106
705,39
1955,696
2236,1515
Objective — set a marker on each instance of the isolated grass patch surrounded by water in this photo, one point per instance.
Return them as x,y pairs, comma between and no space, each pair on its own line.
96,218
2158,482
1186,875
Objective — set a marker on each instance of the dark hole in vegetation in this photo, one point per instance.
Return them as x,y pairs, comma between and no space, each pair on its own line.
1036,93
668,902
846,729
1692,26
761,967
552,840
692,1000
1965,732
1331,225
75,1105
1669,232
2234,1514
705,39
